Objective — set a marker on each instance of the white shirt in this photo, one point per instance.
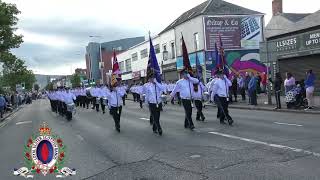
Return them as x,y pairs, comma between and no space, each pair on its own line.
184,87
115,97
68,98
139,90
151,95
221,87
199,94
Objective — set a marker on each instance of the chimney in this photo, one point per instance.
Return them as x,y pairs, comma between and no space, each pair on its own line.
276,7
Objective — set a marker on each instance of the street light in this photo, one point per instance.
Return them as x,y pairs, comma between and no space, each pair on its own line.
101,62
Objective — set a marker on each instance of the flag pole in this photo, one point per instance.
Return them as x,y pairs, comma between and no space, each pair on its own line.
188,73
151,61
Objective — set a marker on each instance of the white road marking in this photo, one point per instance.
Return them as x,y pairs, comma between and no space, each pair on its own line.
80,137
195,156
299,125
23,122
145,119
267,144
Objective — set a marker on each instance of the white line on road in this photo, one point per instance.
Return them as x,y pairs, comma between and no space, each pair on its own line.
80,137
145,119
267,144
23,122
299,125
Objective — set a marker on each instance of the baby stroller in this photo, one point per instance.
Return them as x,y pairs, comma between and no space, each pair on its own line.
295,98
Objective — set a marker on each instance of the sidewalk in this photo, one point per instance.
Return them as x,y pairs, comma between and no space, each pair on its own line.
263,105
8,114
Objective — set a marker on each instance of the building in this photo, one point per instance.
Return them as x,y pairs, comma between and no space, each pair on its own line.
81,72
241,31
44,80
95,69
292,43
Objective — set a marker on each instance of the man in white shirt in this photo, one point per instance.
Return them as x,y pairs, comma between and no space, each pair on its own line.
103,98
184,87
153,91
139,91
114,97
68,98
221,93
197,95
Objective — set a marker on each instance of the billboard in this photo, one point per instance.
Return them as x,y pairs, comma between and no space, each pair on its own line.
238,32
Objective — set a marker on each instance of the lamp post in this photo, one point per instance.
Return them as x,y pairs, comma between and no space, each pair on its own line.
101,61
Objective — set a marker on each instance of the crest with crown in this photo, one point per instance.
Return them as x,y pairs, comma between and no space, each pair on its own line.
44,129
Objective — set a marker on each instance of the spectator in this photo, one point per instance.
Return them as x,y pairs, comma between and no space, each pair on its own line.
252,88
234,88
277,89
246,84
3,104
309,85
264,82
241,85
258,78
289,83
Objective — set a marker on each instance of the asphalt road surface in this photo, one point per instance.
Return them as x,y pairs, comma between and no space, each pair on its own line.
260,145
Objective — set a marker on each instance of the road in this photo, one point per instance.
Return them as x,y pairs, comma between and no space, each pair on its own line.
260,145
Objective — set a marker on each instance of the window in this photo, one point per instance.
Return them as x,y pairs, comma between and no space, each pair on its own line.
157,48
196,41
128,65
173,51
121,65
144,53
165,55
134,56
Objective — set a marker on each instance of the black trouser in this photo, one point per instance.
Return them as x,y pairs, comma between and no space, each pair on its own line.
77,101
93,100
124,100
199,106
1,111
155,116
224,111
134,97
235,94
96,104
278,100
116,114
179,98
188,113
253,98
216,100
87,101
103,106
243,94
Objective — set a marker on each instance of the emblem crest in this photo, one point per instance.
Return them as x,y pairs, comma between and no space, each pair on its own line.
44,153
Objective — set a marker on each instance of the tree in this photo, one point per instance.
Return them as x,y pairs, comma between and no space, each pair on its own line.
75,80
8,22
15,72
49,86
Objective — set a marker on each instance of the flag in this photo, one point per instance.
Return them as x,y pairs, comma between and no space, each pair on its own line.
153,69
224,65
218,58
116,73
198,68
186,61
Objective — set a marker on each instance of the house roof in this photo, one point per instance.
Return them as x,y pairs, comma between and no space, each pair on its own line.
211,7
294,17
297,22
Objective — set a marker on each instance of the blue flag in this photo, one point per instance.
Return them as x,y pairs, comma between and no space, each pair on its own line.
153,69
198,68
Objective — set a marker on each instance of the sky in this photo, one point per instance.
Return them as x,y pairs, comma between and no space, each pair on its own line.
56,32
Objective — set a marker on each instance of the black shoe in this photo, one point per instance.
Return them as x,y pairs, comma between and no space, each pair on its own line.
160,132
222,122
103,112
191,128
198,119
118,129
203,118
230,122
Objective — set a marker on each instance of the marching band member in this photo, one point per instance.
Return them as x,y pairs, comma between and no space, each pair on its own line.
221,91
103,96
184,87
197,95
153,90
115,103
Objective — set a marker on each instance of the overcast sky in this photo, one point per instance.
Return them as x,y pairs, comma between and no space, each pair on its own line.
57,31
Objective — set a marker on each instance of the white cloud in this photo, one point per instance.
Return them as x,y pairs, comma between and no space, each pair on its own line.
61,24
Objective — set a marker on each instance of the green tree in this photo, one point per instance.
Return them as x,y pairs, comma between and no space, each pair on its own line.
15,72
49,86
75,80
8,22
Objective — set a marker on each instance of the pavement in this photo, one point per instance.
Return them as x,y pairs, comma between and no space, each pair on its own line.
261,145
262,101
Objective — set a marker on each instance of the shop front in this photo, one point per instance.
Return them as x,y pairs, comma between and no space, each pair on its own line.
169,72
296,53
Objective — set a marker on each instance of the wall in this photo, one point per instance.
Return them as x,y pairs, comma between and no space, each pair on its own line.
239,62
167,38
188,29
